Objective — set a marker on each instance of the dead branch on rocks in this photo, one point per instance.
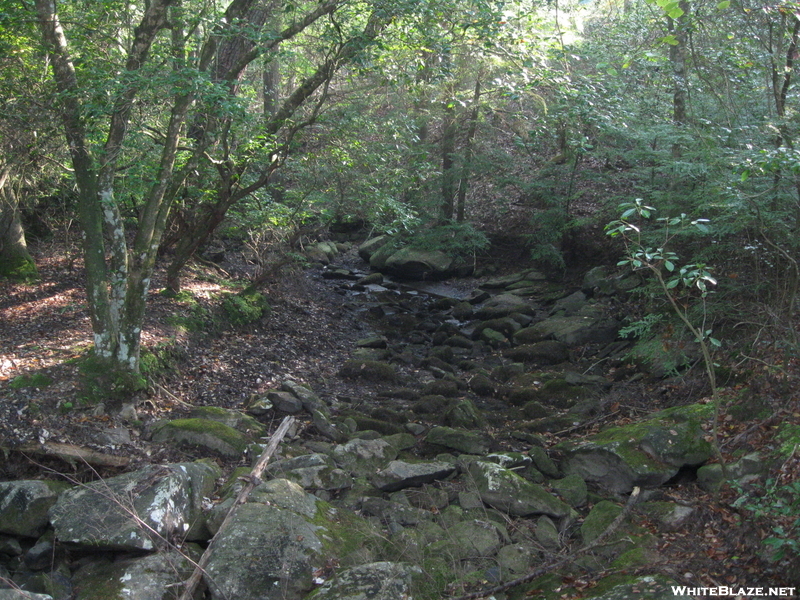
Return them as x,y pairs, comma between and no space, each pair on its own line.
251,481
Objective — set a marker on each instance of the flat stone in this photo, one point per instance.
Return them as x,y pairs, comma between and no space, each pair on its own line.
399,474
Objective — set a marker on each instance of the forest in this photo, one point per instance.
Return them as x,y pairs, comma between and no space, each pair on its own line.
181,179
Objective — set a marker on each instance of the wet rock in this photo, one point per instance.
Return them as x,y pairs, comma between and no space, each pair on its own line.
24,505
399,474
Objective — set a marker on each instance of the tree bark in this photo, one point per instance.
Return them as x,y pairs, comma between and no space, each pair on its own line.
15,260
466,167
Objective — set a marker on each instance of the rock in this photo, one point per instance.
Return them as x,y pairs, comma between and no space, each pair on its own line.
394,512
505,325
312,471
647,453
364,457
516,560
378,580
508,492
307,396
573,489
265,553
482,385
547,533
412,263
232,418
668,515
399,474
469,539
374,341
493,338
548,352
166,498
153,577
572,330
368,248
598,520
285,402
463,413
11,594
543,462
259,404
24,505
459,439
203,433
370,370
504,305
596,282
509,280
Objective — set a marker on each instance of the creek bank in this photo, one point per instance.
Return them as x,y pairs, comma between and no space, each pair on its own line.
445,475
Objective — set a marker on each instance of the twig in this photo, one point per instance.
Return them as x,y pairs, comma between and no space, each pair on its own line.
566,560
172,396
251,481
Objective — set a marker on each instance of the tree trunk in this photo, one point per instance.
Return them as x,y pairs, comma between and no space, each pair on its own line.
448,162
15,260
677,55
466,167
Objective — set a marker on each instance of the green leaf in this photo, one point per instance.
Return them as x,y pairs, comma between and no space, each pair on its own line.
669,266
673,283
724,4
715,342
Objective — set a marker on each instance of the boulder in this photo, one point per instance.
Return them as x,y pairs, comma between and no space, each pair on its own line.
647,453
399,474
368,248
412,263
469,539
570,330
462,440
24,505
508,492
504,305
232,418
312,471
265,553
363,457
166,501
202,433
153,577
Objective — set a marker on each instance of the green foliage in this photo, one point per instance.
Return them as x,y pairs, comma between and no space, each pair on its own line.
454,239
30,380
778,504
20,269
549,228
244,309
643,328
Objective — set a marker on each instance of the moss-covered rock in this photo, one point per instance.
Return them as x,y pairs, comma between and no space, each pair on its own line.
202,433
370,370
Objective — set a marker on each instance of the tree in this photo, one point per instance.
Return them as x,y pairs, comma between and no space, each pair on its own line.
173,55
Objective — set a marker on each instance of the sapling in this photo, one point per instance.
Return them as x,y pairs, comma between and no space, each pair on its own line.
663,265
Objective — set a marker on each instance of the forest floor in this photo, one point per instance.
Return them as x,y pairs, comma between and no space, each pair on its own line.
45,329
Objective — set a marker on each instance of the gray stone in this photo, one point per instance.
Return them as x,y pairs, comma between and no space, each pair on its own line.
364,457
516,560
504,305
24,505
154,577
232,418
469,539
285,402
265,553
646,453
547,533
398,474
543,462
458,439
307,396
508,492
411,263
11,594
572,331
165,498
203,433
599,518
547,352
372,581
573,489
395,512
368,248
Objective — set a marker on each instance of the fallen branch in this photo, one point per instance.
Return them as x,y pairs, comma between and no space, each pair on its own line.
560,563
72,454
251,481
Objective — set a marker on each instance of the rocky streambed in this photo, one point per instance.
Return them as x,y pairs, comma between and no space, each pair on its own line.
475,446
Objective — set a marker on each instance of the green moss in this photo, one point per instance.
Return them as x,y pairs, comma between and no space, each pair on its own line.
370,370
19,268
33,380
245,308
102,380
635,557
205,426
789,438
